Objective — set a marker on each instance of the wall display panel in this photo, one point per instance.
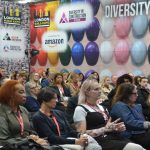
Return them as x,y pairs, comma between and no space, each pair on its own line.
110,41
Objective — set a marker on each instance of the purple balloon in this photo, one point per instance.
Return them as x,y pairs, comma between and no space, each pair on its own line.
91,53
93,29
88,73
77,54
95,5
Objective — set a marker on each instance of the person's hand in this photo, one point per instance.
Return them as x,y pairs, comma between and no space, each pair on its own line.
38,140
42,142
83,140
115,126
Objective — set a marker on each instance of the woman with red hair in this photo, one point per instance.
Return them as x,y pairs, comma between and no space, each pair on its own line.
14,119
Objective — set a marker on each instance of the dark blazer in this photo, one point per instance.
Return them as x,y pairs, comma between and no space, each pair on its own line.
31,104
46,127
66,91
131,116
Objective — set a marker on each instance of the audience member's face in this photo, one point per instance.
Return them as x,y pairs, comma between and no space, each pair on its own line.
59,79
52,103
114,79
35,90
96,75
127,81
19,94
107,81
133,96
75,78
94,92
81,77
144,82
36,77
22,80
65,75
3,72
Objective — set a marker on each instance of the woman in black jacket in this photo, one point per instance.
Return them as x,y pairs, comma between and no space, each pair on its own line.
51,124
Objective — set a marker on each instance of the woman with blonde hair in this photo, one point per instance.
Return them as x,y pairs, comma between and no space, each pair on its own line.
105,87
91,118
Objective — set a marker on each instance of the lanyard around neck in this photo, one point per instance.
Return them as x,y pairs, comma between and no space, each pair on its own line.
20,121
56,123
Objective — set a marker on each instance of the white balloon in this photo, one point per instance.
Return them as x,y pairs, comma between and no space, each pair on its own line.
107,27
106,52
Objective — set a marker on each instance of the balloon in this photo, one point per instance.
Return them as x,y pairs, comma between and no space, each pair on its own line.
123,26
107,27
92,31
77,1
104,73
33,33
53,58
42,57
88,73
91,53
77,71
32,11
149,54
52,7
138,73
138,53
106,2
64,1
77,54
68,34
120,73
33,59
78,35
65,56
122,52
139,1
40,32
106,52
122,1
52,26
64,70
139,26
95,5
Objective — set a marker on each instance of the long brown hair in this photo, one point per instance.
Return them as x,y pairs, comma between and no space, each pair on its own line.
123,93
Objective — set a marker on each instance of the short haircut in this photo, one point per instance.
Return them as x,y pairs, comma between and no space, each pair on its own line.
45,95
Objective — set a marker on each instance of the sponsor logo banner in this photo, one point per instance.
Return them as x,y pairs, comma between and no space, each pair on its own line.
41,18
12,15
54,41
12,46
74,16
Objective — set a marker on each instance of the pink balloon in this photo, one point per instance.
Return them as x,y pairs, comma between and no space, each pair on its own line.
122,1
123,26
122,52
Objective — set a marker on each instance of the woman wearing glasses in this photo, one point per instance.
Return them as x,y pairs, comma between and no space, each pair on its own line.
125,107
94,119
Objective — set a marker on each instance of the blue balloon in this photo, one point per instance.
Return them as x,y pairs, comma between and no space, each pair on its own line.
64,70
95,5
93,29
140,26
138,53
78,35
138,73
104,73
91,53
77,71
77,54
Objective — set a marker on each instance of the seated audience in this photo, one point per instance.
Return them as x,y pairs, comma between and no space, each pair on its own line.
91,118
51,124
14,119
125,108
31,104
